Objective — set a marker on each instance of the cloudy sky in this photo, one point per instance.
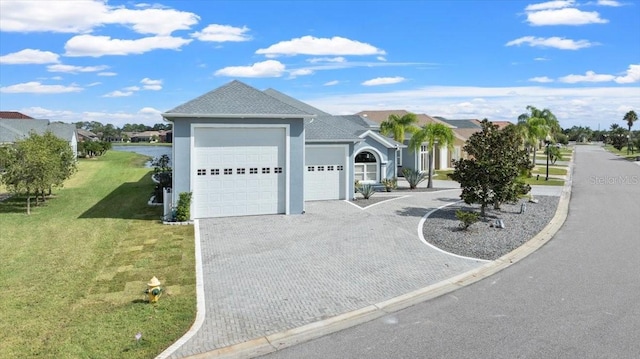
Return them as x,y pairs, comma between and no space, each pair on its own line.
126,62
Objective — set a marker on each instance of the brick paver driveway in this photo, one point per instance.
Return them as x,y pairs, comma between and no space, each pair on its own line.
266,274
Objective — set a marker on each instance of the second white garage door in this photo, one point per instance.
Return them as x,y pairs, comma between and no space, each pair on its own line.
325,172
239,171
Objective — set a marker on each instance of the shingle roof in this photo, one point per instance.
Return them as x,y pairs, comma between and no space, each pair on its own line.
236,99
379,116
460,123
294,102
14,115
12,130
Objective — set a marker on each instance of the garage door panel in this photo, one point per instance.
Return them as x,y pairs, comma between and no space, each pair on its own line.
247,183
325,178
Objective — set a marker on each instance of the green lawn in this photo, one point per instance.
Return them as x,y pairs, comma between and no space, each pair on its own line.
541,182
552,171
442,175
622,153
74,271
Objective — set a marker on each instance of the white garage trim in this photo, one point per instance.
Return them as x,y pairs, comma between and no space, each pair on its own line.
379,162
287,145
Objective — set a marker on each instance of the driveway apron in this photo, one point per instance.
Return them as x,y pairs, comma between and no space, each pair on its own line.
267,274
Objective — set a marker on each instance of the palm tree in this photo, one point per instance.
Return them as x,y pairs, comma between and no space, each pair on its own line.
536,125
398,125
630,117
436,135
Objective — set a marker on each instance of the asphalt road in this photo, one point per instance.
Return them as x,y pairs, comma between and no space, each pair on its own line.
576,297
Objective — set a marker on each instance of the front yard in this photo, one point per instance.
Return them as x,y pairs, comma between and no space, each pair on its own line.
73,273
623,153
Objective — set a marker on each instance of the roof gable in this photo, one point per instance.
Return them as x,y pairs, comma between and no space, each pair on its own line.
294,102
236,99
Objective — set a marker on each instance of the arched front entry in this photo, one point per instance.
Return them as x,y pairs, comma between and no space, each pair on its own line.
367,167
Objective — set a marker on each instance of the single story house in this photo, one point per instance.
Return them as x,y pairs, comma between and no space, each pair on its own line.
12,130
84,135
242,151
14,115
419,160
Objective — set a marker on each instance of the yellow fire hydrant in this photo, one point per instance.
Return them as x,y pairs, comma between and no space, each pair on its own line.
153,290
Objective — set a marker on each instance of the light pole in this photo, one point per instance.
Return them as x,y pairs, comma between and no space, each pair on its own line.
547,142
628,142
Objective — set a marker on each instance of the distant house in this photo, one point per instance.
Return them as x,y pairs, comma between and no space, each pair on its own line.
166,136
145,136
419,160
12,130
84,135
14,115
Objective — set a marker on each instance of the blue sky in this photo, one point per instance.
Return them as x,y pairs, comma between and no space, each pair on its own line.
126,62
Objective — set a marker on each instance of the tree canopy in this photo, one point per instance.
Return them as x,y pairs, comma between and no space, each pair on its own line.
36,164
491,174
398,125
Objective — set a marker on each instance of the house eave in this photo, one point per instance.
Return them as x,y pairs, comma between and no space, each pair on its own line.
352,140
173,115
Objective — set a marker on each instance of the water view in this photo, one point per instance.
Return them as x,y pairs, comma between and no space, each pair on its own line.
151,151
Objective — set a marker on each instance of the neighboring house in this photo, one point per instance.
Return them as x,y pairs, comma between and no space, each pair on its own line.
419,160
145,136
242,151
166,136
84,135
14,115
12,130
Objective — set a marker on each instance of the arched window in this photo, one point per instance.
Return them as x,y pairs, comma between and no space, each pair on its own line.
366,167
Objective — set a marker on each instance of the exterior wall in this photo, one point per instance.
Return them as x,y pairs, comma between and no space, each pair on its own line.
386,157
182,155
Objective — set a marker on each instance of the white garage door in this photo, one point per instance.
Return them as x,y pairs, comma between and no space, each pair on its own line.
239,172
325,173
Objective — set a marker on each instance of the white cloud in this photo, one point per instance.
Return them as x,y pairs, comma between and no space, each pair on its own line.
38,88
154,21
131,88
315,60
383,81
540,59
56,78
96,46
559,4
75,69
331,83
613,3
502,103
589,76
222,33
269,68
300,72
146,115
94,84
566,16
309,45
118,93
107,74
29,56
632,75
541,79
149,84
554,42
150,111
82,16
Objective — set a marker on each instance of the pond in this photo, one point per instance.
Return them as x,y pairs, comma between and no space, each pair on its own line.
151,151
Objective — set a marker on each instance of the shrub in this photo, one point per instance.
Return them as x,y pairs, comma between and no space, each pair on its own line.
183,210
466,218
414,177
366,190
390,183
356,185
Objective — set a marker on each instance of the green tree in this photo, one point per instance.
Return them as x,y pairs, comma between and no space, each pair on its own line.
35,164
617,137
630,117
535,126
492,173
437,136
397,126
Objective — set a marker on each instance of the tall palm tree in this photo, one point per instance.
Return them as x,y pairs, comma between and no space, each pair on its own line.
436,135
536,125
630,117
397,126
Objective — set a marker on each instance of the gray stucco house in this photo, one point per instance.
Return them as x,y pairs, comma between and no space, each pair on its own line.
12,130
242,151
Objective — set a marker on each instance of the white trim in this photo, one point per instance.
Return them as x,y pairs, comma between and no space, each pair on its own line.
287,192
376,154
383,140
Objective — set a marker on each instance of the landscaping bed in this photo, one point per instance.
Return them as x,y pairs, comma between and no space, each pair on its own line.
481,240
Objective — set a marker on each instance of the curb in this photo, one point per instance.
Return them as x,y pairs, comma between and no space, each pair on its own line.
274,342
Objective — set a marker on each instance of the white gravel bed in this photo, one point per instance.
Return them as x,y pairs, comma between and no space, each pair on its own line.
483,241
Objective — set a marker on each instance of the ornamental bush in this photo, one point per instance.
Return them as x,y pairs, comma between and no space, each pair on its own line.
183,213
467,218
